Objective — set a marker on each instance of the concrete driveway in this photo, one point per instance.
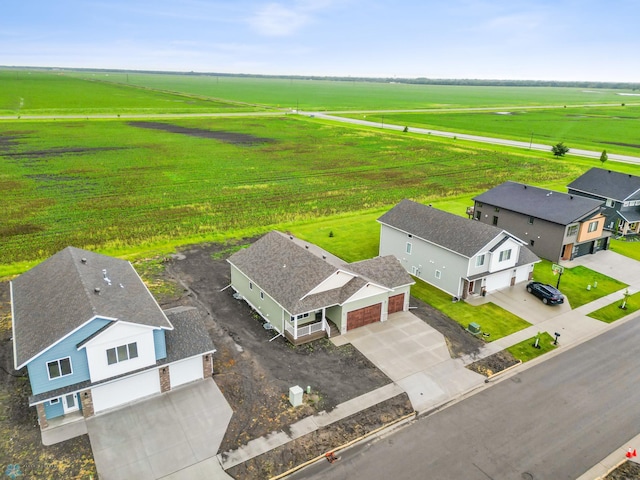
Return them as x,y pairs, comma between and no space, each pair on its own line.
172,435
414,356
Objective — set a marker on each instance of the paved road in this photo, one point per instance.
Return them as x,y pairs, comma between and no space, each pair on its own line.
553,421
474,138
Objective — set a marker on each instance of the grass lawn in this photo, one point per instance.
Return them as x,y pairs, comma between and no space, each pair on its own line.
525,350
574,283
613,312
492,319
628,248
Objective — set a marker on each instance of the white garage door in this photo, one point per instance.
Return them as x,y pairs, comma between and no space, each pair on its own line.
498,280
125,390
522,274
186,371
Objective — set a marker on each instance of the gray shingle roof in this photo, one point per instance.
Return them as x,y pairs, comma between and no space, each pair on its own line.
57,296
556,207
607,184
189,336
459,234
287,271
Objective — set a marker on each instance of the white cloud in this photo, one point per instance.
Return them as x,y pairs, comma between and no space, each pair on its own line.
278,20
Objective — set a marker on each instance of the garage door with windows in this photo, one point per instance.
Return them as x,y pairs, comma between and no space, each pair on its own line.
364,316
396,303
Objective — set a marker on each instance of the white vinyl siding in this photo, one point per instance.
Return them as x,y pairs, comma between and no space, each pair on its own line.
122,353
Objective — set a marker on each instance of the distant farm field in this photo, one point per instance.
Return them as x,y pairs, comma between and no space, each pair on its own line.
357,95
614,129
113,184
51,93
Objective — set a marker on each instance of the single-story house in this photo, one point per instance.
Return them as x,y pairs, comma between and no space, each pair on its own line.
557,226
620,194
301,290
92,337
453,253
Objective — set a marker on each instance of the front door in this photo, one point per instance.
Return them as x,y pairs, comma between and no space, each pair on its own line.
70,403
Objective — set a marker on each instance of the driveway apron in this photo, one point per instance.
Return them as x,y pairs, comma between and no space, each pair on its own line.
162,435
414,356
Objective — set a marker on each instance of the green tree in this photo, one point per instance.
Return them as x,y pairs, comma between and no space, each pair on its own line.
604,157
559,149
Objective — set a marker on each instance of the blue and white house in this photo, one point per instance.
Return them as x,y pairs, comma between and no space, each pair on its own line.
92,337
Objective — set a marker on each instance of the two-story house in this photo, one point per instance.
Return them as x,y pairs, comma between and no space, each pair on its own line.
556,226
620,193
301,290
452,253
92,337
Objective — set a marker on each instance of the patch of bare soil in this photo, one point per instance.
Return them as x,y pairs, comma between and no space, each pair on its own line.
253,369
55,152
21,451
459,341
627,471
493,364
632,145
323,440
227,137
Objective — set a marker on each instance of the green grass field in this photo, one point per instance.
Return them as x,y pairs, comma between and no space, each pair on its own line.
114,90
49,93
526,351
614,311
614,129
113,186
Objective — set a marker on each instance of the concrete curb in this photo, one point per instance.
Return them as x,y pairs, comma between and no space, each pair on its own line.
390,425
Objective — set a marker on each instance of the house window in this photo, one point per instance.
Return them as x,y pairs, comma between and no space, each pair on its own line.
531,242
572,230
593,226
480,260
414,270
530,220
300,317
497,209
478,214
54,401
122,353
250,285
505,255
59,368
261,295
408,248
495,220
438,274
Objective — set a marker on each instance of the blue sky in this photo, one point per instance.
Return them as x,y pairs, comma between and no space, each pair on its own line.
487,39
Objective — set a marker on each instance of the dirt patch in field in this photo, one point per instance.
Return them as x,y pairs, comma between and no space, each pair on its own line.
56,152
493,364
627,471
221,135
21,451
323,440
632,145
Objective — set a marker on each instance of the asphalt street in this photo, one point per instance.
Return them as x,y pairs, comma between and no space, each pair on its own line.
554,420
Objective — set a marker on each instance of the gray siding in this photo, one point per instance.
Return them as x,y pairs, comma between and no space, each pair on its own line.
548,237
425,259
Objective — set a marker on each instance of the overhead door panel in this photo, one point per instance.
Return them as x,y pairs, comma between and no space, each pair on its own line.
125,390
396,303
364,316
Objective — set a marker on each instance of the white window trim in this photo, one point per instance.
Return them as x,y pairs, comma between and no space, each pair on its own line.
115,350
54,401
438,274
504,255
58,360
408,248
480,260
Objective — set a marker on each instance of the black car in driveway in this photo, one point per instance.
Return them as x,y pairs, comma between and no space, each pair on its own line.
548,294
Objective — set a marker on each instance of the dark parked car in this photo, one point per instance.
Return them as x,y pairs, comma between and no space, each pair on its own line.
549,295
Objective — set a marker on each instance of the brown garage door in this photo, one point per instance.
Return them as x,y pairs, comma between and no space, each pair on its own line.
396,303
364,316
